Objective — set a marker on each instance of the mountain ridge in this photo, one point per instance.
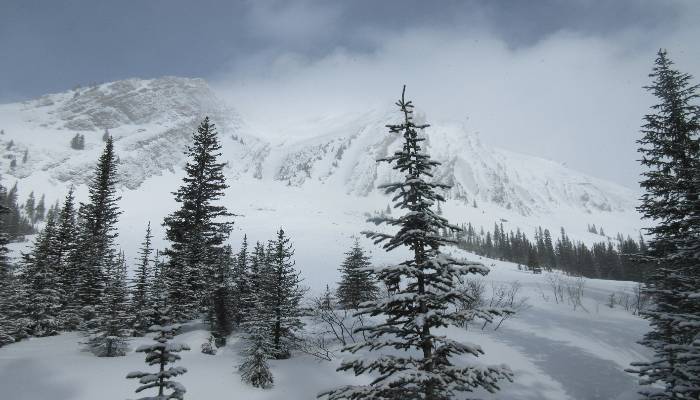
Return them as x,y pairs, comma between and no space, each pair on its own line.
152,120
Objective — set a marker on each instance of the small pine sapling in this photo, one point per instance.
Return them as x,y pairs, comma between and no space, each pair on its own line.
162,353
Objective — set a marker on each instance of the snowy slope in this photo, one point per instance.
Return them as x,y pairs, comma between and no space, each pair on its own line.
556,354
152,120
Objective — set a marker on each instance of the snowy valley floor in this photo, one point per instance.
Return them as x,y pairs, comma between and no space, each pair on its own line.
555,352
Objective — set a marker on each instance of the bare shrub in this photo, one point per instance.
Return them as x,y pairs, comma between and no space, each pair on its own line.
556,283
634,300
333,326
505,296
574,290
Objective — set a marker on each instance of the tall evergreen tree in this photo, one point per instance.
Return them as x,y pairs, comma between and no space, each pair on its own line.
7,281
42,285
111,325
357,284
425,367
198,229
97,233
141,307
258,327
242,282
670,148
221,307
30,205
282,294
40,210
158,291
63,247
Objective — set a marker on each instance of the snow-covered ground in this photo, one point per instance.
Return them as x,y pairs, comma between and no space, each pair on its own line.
555,352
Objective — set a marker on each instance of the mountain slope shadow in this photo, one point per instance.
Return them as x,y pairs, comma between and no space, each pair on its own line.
25,379
583,376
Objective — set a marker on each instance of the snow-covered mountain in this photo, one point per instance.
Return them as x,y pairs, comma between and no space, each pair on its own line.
152,121
320,176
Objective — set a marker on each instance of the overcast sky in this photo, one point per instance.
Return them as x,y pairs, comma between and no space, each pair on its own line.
559,79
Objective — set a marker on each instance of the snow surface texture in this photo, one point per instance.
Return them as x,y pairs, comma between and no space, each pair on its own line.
318,181
556,354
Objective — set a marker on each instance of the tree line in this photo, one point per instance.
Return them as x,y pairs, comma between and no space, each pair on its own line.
18,220
618,260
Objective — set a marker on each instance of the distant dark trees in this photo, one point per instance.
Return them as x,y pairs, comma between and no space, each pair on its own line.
78,142
17,220
602,260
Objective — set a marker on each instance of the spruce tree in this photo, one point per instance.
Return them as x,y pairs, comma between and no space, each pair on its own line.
97,233
421,362
257,323
29,206
258,326
158,291
221,307
7,282
40,211
111,324
254,369
242,282
282,294
141,308
161,354
670,148
62,248
40,277
198,229
357,284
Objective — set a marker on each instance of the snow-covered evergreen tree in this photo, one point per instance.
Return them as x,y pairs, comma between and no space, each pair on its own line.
158,291
42,288
198,229
40,210
7,283
221,305
670,149
97,233
161,354
421,363
357,284
241,282
30,205
62,248
111,325
282,294
258,326
141,309
254,369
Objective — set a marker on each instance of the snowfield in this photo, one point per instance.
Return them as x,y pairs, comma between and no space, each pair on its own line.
555,352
